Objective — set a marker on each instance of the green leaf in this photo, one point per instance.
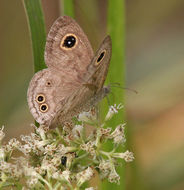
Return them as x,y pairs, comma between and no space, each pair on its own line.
67,7
37,28
116,29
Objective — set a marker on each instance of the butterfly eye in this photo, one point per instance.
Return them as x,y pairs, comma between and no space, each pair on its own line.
69,41
100,58
40,98
43,108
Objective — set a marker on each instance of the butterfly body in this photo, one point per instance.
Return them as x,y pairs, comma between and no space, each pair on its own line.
73,81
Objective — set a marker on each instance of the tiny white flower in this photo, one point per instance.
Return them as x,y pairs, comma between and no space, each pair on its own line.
14,143
89,147
2,154
32,182
105,165
16,171
113,110
50,149
26,139
48,165
56,161
118,134
77,131
34,137
105,132
55,175
87,117
30,172
113,176
64,176
84,176
26,148
39,170
2,134
40,144
40,130
5,167
61,149
127,156
68,126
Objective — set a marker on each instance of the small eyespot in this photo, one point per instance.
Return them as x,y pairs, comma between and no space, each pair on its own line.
48,83
69,41
43,108
40,98
100,58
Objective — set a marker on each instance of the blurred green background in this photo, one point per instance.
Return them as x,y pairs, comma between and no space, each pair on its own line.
155,68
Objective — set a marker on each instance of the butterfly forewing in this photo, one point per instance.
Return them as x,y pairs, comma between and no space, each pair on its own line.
67,47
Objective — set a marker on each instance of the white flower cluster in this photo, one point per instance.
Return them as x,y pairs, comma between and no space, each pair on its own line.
64,158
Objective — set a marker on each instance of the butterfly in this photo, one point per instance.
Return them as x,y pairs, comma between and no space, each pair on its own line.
74,79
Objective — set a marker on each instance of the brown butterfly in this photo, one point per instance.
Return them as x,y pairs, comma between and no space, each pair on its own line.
74,79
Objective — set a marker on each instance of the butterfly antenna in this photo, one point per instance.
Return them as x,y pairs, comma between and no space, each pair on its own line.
117,85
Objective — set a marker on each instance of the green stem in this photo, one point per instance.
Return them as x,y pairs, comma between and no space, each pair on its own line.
97,143
80,157
67,7
116,29
46,182
37,28
106,154
57,185
69,185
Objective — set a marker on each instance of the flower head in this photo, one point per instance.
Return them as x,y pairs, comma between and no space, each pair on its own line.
113,110
64,158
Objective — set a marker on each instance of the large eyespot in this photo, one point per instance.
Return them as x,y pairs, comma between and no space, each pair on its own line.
69,41
44,108
40,98
100,57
